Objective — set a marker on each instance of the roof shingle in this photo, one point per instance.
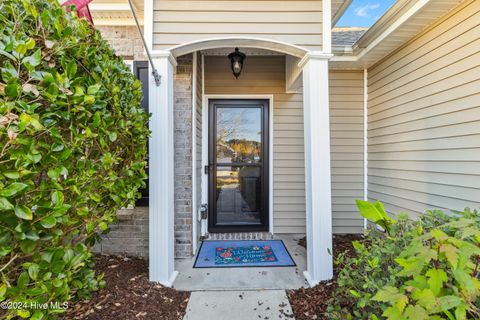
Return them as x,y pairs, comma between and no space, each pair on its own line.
346,36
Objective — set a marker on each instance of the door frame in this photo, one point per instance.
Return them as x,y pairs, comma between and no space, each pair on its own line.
264,166
205,146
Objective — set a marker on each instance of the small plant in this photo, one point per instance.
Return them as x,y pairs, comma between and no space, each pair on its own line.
370,269
72,151
422,269
440,271
375,212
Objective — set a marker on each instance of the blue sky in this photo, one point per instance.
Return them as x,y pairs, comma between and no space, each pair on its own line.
364,13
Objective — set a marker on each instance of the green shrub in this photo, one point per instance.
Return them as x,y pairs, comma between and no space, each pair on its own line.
370,269
72,151
439,275
423,269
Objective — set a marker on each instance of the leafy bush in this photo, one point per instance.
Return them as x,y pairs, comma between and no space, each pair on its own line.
72,151
440,271
371,268
423,269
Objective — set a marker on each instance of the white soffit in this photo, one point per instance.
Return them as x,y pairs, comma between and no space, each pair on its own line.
115,12
403,21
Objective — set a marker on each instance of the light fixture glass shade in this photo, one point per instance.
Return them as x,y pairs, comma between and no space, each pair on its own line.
236,60
237,67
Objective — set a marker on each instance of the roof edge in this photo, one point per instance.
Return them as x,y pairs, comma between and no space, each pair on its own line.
396,11
340,12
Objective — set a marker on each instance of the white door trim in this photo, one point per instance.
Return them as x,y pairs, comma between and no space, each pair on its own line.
205,129
204,148
194,155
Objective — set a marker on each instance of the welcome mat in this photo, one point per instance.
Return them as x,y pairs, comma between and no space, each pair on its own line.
243,253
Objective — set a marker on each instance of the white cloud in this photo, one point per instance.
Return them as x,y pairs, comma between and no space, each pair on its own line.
364,11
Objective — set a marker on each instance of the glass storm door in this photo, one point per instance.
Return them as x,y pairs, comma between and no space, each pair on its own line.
238,165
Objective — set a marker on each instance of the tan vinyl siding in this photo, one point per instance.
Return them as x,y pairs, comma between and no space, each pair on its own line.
424,118
294,21
347,144
266,75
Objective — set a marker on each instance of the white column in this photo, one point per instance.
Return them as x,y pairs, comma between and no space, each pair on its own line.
161,170
317,167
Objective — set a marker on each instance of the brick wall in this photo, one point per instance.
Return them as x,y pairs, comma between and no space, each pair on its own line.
129,235
183,157
125,40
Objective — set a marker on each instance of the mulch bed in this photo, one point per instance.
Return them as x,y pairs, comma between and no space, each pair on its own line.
128,294
311,303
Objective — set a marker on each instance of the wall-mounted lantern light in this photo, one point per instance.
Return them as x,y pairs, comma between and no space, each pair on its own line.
236,60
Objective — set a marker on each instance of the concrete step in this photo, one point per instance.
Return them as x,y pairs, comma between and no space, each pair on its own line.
240,236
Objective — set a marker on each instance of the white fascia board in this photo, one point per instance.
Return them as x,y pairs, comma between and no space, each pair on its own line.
359,53
115,21
108,6
340,12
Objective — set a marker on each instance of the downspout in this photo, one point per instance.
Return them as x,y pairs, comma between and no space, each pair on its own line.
155,73
365,140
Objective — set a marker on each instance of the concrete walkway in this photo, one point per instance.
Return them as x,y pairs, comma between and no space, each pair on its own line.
242,293
239,305
261,278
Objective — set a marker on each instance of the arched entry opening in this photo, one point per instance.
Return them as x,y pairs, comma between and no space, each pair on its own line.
308,145
258,43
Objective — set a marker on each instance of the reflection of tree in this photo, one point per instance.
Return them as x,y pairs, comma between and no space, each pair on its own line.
245,150
231,126
229,123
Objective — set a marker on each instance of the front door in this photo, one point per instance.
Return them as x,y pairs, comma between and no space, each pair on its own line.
238,165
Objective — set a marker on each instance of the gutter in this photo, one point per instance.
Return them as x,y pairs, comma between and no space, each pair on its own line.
392,20
341,11
398,10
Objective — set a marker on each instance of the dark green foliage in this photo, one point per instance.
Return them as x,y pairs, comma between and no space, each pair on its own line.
423,269
439,275
72,151
369,270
